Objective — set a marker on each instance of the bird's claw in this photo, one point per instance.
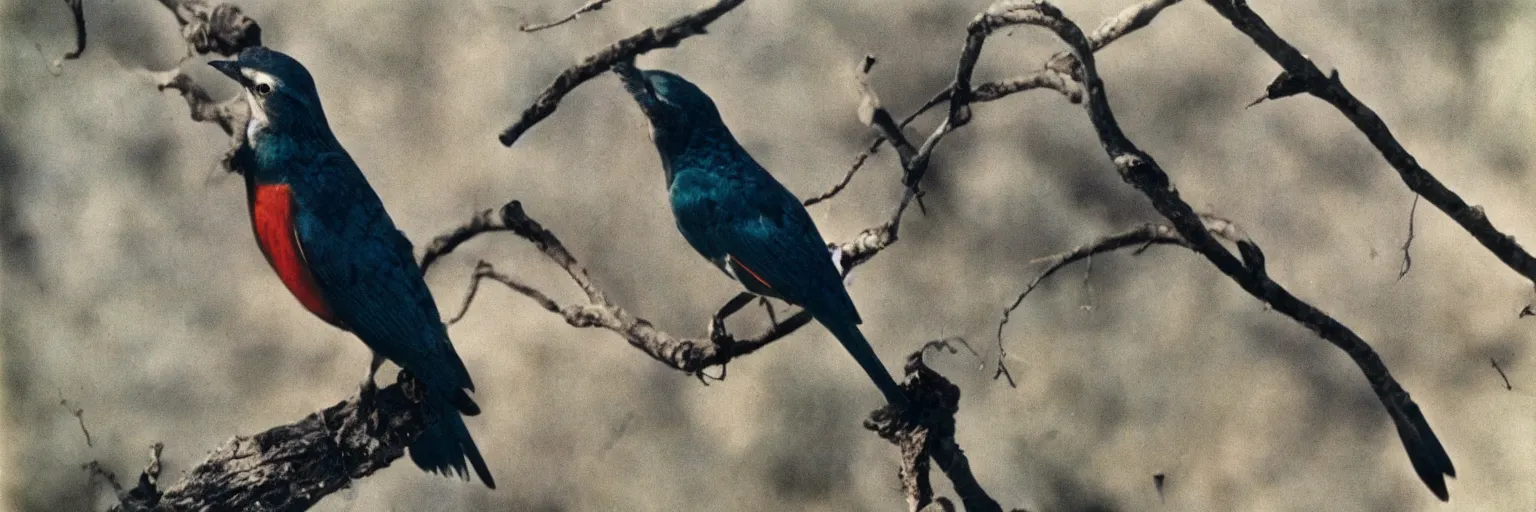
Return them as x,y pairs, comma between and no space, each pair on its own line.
773,316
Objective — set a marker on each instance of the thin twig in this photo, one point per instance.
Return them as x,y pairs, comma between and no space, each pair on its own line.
1413,212
1495,363
858,161
469,295
666,36
948,344
79,415
586,8
1146,235
442,245
1141,238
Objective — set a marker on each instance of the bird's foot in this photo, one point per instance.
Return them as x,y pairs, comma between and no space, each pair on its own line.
773,316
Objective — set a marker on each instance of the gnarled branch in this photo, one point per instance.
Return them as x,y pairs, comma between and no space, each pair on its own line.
1300,75
927,433
293,466
1138,169
1055,76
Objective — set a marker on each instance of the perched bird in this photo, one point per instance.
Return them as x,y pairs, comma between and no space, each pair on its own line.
740,218
326,234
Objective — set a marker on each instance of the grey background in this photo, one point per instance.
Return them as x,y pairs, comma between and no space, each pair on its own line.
132,287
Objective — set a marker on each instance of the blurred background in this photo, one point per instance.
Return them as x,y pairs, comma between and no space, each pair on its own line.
133,289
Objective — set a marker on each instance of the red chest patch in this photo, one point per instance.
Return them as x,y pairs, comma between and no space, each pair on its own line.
272,219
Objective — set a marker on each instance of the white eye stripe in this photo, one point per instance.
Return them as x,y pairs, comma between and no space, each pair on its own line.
259,77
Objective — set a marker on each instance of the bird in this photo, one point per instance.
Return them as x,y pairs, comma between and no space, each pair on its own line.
326,234
738,217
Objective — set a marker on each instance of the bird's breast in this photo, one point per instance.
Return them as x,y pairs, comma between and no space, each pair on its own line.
272,218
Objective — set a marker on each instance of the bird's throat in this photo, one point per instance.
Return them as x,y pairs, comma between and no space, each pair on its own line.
258,120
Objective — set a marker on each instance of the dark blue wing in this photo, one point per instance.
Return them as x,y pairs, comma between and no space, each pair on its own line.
365,267
759,233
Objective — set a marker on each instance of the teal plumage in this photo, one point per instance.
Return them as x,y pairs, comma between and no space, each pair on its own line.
327,235
741,219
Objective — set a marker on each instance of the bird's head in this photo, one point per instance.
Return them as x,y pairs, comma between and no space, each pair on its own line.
678,110
278,89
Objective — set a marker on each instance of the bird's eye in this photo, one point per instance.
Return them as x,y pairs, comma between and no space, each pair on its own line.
263,89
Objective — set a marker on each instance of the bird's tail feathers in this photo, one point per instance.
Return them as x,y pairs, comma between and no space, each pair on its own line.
464,404
446,443
455,365
847,332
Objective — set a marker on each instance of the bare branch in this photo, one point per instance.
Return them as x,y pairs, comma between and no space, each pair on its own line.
483,222
1143,236
948,345
221,29
593,5
874,115
1125,22
291,467
1055,76
858,161
1138,168
927,432
76,9
1302,75
229,115
469,295
649,39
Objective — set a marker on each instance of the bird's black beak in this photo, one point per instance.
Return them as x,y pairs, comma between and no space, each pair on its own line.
231,69
638,86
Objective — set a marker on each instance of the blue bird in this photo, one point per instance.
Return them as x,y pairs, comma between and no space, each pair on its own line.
740,218
326,234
